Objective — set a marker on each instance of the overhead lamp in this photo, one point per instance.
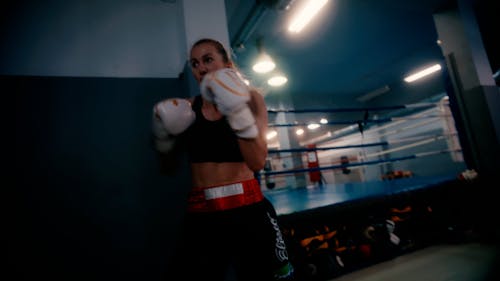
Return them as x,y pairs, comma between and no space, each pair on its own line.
305,15
264,63
313,126
373,94
423,73
277,80
271,134
299,132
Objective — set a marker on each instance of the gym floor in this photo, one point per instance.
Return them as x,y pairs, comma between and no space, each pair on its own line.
450,262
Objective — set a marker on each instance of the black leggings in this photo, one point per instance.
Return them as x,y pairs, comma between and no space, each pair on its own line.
247,238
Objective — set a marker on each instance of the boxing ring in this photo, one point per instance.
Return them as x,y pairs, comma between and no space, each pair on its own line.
360,157
297,200
368,190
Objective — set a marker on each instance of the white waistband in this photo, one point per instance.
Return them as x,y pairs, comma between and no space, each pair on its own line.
223,191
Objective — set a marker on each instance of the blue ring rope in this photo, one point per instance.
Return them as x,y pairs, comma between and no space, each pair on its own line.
327,148
378,108
358,163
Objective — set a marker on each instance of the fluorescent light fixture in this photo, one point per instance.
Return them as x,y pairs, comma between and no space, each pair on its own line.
277,80
264,63
304,16
271,134
423,73
373,94
299,132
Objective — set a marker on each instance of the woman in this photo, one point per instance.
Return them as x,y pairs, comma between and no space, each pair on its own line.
229,224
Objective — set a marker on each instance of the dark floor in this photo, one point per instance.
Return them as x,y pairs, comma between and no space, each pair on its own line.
450,262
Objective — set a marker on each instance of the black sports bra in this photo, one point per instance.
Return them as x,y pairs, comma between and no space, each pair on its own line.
210,141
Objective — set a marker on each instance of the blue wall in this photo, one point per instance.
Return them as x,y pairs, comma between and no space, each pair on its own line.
91,200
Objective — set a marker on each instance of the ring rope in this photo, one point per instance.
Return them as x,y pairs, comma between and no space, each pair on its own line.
359,121
326,148
379,108
421,139
422,142
383,127
395,159
407,139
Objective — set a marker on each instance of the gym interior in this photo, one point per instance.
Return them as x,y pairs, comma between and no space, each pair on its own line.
399,189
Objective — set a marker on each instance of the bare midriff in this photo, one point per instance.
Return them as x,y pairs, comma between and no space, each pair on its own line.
214,174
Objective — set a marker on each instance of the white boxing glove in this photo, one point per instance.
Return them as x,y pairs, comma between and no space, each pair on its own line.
170,118
227,90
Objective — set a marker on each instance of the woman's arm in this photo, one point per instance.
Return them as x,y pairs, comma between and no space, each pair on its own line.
254,151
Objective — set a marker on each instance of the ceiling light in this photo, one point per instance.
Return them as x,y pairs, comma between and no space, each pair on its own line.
304,16
271,134
423,73
313,126
373,94
299,132
323,121
264,63
277,80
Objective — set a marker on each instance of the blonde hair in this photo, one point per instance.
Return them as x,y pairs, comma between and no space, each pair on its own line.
224,53
218,46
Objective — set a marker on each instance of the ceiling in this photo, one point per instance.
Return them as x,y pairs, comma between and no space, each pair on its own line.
354,48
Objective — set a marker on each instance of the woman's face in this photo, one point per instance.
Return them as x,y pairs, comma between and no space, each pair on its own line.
205,59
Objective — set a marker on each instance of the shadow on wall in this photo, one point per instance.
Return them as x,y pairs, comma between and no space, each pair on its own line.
91,203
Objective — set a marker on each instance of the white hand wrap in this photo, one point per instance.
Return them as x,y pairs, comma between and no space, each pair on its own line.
226,89
170,118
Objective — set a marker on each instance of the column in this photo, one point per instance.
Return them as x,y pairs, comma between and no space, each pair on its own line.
290,160
474,97
202,19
